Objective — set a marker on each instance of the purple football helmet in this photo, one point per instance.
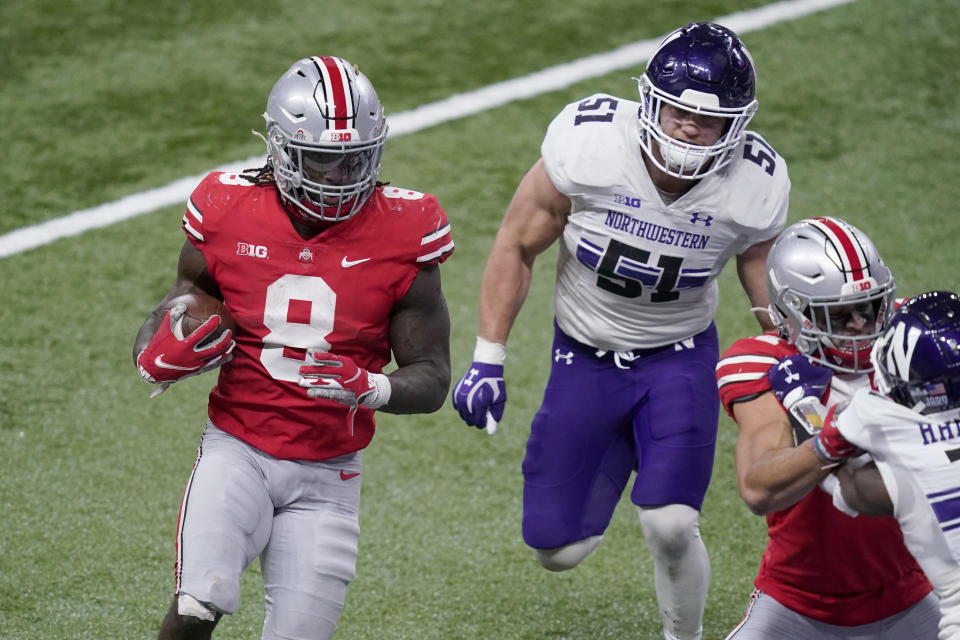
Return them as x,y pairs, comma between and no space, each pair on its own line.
917,360
706,69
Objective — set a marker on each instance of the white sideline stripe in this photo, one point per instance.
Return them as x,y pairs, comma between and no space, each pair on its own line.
428,115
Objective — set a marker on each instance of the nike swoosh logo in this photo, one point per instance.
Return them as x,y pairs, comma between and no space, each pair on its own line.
351,263
164,365
346,476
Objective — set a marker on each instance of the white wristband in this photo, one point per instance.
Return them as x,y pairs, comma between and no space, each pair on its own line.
381,393
489,352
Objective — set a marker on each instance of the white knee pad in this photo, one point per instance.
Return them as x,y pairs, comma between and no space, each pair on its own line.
670,528
187,605
681,568
568,556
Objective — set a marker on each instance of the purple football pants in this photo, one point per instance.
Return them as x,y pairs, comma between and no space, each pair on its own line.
603,417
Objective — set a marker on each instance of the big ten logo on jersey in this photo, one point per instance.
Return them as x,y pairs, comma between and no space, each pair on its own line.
630,201
253,250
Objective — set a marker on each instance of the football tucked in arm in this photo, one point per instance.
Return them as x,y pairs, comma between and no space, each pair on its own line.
200,307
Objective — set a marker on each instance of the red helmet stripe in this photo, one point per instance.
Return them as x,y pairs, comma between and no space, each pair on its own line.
336,91
848,247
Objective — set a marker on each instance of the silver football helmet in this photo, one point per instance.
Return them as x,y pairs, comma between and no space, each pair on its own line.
820,273
325,137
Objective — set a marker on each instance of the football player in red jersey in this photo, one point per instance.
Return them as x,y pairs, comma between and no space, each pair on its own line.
327,273
823,574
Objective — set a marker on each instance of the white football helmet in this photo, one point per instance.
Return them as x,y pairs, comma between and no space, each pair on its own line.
325,137
703,68
817,269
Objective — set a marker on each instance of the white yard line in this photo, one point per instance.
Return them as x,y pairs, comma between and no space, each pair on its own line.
423,117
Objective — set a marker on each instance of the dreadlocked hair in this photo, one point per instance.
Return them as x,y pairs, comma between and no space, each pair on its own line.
260,176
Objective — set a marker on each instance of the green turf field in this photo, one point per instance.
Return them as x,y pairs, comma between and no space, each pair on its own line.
103,99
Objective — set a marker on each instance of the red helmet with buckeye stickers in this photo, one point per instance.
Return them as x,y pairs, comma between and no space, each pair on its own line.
830,293
325,137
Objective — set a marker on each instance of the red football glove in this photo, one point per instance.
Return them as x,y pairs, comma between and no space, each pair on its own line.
167,359
338,378
830,445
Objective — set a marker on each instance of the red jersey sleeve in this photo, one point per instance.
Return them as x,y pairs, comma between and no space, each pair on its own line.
192,223
431,242
418,228
209,205
742,370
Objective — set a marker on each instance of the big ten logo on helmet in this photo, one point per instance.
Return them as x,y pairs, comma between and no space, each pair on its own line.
858,286
253,250
341,136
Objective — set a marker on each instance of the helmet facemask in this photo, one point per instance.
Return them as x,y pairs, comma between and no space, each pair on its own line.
329,182
824,335
681,159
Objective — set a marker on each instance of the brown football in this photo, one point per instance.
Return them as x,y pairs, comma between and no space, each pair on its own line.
200,307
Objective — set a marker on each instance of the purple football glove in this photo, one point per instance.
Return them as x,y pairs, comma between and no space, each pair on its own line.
795,378
480,395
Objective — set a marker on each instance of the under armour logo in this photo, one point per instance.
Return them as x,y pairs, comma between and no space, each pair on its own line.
567,357
706,220
791,376
470,376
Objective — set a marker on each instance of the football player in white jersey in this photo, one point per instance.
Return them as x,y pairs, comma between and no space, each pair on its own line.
649,200
913,435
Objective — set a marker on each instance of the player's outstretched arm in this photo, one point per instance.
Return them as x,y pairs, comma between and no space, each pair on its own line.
534,220
751,266
192,277
772,473
163,358
420,341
